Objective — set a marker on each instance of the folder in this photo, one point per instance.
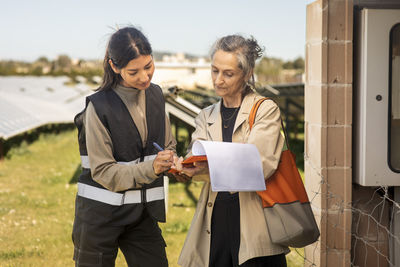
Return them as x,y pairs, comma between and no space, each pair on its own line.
188,163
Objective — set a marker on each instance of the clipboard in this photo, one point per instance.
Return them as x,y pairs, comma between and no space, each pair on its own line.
188,163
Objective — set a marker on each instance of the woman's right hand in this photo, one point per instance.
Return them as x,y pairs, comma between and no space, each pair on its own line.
163,161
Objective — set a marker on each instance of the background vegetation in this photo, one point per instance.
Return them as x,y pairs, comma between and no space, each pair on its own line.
268,70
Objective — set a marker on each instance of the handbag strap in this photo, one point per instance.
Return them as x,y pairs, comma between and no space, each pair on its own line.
253,113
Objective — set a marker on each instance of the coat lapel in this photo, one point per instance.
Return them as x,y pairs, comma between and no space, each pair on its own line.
244,110
214,123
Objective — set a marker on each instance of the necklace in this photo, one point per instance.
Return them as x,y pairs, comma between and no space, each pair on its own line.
225,122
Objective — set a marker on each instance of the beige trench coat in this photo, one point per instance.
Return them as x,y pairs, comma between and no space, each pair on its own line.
265,134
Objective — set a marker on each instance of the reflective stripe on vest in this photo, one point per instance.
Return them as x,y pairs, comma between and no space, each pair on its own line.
86,165
118,199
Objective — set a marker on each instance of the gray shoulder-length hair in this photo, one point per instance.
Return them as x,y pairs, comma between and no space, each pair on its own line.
247,51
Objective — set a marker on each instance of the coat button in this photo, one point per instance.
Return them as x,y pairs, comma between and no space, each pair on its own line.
208,232
209,204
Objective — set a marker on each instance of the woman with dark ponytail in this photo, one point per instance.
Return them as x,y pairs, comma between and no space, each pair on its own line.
120,197
228,228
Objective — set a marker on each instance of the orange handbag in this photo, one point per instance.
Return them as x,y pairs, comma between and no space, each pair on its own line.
287,210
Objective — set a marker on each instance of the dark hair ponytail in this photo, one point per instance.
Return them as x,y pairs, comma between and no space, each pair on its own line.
125,44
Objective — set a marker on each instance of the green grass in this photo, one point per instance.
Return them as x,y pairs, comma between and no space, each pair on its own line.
37,205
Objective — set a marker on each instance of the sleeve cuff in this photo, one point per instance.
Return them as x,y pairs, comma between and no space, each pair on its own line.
148,168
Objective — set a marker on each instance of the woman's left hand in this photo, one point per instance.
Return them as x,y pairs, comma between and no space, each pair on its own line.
179,176
185,174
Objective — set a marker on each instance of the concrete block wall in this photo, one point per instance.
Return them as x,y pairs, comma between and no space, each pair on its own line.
328,128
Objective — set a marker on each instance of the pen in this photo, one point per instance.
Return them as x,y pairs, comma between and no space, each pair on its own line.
157,146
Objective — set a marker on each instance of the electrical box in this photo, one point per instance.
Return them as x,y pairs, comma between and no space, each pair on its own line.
376,131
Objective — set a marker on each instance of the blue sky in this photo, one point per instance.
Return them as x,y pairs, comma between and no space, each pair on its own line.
80,28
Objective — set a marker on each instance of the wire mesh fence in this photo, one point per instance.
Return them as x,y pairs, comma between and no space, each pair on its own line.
360,230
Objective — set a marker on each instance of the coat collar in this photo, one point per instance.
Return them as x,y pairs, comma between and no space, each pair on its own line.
244,110
214,120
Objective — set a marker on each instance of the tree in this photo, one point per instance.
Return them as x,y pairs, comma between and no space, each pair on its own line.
268,70
37,71
298,63
63,62
8,67
288,65
42,60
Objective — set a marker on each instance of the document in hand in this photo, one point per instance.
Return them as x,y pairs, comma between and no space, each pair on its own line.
232,166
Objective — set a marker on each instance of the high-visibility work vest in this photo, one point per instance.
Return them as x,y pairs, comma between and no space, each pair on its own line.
94,202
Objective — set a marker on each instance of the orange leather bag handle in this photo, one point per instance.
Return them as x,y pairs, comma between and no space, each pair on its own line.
285,185
253,113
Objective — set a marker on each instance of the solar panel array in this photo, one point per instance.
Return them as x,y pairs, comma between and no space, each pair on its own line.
29,102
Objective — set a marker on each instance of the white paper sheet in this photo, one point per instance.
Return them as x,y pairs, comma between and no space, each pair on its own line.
233,166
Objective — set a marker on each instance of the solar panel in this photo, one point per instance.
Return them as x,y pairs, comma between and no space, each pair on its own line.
14,120
29,102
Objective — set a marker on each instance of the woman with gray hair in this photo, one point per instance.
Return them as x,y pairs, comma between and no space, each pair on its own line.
229,228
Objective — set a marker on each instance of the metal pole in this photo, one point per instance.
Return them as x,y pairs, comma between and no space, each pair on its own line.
166,189
1,149
287,117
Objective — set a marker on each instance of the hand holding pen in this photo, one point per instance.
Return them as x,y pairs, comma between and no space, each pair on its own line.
163,161
180,176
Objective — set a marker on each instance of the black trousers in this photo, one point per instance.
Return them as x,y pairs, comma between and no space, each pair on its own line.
225,236
141,243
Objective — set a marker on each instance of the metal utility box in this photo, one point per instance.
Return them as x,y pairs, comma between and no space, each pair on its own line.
376,135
